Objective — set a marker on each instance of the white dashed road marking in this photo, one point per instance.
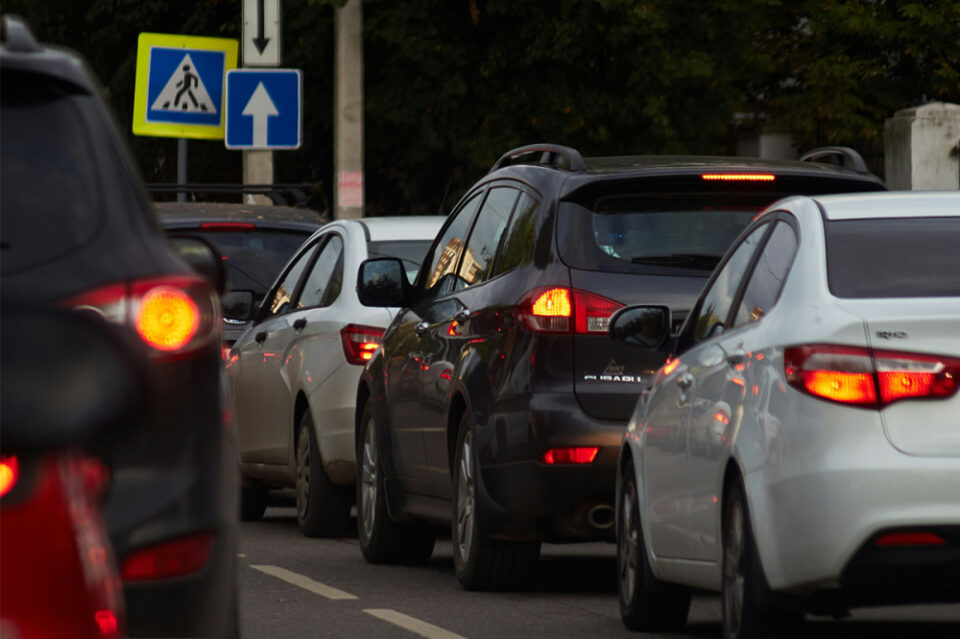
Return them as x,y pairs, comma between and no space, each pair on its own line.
412,624
305,582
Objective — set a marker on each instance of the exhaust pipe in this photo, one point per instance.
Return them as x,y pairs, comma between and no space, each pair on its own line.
602,516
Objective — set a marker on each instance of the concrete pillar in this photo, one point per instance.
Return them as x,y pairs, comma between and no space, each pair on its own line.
921,148
257,169
348,182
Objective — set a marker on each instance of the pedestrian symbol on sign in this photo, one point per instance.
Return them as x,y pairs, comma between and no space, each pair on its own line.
184,91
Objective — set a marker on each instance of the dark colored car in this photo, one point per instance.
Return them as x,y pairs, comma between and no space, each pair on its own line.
254,240
497,401
77,232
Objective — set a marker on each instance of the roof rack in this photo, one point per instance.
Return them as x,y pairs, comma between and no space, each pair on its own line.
845,157
16,36
553,155
296,195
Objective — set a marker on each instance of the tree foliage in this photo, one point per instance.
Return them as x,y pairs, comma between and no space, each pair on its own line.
452,84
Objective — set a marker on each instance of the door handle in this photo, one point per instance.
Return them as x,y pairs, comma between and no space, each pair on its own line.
299,324
462,315
260,337
421,328
685,381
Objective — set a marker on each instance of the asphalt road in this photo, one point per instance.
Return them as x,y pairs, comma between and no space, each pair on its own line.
293,587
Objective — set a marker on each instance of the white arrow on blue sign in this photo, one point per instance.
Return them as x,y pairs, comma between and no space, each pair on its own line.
264,109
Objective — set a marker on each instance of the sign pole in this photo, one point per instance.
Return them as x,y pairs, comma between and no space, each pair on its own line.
348,111
261,48
181,168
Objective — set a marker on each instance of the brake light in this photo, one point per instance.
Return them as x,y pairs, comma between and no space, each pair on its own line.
169,559
173,315
9,473
227,226
572,455
107,624
549,310
867,377
738,177
912,538
360,342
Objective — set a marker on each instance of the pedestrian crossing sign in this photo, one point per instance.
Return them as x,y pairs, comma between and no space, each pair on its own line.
180,85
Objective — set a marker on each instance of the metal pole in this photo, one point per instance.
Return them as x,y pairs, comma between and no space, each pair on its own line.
181,168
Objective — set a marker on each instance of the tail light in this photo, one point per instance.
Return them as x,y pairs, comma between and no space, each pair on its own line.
9,473
868,377
909,538
550,310
175,316
360,342
738,177
175,558
570,456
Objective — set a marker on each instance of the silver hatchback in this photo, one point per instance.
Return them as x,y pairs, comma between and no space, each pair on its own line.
801,453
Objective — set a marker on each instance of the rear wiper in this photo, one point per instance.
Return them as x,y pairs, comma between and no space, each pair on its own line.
682,260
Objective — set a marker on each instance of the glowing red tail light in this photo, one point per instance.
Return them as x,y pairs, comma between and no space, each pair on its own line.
571,455
169,559
9,473
738,177
172,315
360,342
867,377
911,538
549,310
227,226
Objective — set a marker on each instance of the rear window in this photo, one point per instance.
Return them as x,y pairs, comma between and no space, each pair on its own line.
50,186
678,225
411,252
915,257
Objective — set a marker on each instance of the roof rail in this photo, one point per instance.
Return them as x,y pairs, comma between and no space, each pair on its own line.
296,195
554,155
16,36
846,158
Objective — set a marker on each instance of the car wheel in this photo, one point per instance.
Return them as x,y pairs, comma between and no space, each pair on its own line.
646,603
253,503
323,508
383,541
749,608
483,564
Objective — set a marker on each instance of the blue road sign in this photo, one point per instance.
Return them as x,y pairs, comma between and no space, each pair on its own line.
264,109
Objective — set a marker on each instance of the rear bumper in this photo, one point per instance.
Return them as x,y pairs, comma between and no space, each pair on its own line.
522,498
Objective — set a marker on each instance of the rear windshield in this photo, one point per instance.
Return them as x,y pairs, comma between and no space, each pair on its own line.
411,252
50,187
902,257
675,226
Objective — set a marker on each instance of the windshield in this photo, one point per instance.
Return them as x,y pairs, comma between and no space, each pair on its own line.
411,252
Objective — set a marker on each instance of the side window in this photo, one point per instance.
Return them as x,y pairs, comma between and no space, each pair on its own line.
520,238
280,301
485,237
446,251
718,300
326,277
768,276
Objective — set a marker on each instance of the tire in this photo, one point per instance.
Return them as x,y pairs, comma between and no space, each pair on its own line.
323,508
749,608
483,564
253,503
383,541
646,603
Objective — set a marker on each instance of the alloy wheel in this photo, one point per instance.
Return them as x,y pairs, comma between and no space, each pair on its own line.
465,497
733,576
368,489
303,472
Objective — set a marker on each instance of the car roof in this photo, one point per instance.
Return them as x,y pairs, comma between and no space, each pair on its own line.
891,204
406,227
180,215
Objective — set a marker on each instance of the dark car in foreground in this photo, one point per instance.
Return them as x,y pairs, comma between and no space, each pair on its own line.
497,401
77,232
254,241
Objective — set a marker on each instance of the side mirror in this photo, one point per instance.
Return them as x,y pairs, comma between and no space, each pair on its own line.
383,281
644,326
202,258
67,375
238,306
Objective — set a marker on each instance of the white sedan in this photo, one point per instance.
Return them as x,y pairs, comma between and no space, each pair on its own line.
293,373
801,453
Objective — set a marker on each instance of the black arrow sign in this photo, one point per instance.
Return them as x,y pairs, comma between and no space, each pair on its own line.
260,42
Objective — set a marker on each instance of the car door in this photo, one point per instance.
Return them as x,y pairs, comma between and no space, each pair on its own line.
458,321
728,369
403,352
667,448
255,442
304,337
